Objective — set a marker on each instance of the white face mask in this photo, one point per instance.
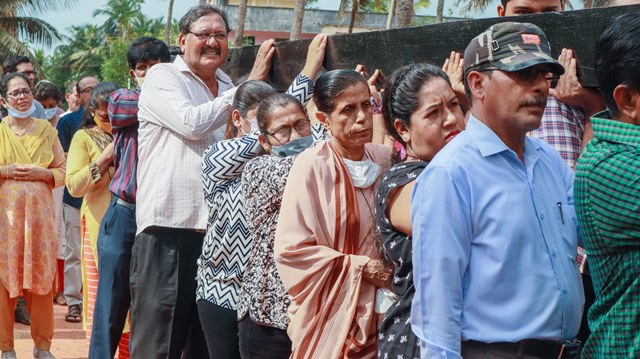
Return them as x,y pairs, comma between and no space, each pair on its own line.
15,113
254,127
50,112
363,173
139,80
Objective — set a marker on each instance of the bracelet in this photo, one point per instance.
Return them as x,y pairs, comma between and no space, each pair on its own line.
95,172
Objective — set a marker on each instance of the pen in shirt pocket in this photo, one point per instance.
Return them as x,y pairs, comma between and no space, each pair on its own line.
559,204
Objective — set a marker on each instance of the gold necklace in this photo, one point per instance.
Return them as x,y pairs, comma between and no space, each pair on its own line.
24,129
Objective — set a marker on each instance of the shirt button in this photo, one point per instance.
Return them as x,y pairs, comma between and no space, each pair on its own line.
541,216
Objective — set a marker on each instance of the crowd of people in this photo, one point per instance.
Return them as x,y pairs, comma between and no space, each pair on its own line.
463,211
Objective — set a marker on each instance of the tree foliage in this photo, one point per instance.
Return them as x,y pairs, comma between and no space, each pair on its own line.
101,50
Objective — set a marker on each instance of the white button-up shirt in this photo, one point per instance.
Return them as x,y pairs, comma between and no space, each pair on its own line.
179,118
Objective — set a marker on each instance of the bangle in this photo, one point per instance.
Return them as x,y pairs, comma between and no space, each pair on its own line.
95,172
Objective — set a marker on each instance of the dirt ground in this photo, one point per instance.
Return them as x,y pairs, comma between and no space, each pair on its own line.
68,339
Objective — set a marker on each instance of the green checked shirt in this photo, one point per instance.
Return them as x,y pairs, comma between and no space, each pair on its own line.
607,198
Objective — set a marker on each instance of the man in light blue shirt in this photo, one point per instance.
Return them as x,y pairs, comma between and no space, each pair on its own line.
494,228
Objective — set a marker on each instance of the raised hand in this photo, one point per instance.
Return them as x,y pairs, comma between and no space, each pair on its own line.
315,56
261,66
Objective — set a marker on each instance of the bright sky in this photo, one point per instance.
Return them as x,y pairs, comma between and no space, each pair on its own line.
82,12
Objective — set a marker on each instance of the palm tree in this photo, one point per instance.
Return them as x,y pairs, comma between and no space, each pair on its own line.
242,14
404,12
439,11
18,20
167,28
298,16
144,26
120,14
84,53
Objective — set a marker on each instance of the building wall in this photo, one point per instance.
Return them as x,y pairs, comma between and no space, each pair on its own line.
266,3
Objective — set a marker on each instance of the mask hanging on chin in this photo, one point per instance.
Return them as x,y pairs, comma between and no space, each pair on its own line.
292,148
363,173
104,126
15,113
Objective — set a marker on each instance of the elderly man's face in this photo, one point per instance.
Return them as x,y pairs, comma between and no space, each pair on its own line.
516,100
85,86
524,7
205,46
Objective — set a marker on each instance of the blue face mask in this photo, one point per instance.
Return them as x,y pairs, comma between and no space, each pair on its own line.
50,112
292,148
15,113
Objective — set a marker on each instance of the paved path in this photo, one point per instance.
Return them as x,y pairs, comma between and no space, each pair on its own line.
68,339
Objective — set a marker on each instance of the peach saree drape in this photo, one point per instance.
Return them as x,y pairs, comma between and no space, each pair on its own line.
323,241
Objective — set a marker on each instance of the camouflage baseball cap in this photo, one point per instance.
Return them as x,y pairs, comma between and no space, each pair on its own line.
511,46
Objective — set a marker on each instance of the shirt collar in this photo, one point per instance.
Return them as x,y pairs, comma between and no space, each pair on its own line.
489,143
607,129
183,67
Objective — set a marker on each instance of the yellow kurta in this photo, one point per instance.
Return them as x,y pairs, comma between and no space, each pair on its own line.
28,237
82,151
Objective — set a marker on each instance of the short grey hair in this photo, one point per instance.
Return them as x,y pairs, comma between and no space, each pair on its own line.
196,12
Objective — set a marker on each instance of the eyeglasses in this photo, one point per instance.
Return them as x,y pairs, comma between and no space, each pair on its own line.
205,36
16,94
528,75
284,134
86,90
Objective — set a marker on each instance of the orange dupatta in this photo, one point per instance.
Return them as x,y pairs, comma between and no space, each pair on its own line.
321,248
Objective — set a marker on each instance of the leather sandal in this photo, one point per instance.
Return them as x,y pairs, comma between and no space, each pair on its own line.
74,315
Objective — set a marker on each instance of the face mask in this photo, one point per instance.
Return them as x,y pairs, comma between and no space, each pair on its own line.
104,126
49,113
254,125
15,113
139,80
293,147
363,173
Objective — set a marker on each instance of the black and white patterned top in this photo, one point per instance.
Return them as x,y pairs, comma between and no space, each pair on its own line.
262,295
227,244
395,338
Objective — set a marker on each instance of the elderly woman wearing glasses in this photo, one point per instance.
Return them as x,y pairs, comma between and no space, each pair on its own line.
285,131
31,164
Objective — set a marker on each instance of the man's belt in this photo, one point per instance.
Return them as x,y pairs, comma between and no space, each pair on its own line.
122,202
539,348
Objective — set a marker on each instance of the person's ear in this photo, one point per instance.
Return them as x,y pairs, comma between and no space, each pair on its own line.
235,117
265,144
402,130
628,103
132,73
182,39
3,103
475,81
322,118
500,10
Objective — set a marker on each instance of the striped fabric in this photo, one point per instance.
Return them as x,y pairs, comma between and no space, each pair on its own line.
90,290
562,127
607,195
123,113
227,244
179,118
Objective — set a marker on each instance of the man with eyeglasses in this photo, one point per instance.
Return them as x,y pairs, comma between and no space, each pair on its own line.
183,109
67,127
494,227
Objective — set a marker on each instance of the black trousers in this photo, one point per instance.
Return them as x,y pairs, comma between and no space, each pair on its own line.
164,316
220,326
262,342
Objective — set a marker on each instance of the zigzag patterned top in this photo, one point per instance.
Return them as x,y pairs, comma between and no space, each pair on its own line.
227,244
